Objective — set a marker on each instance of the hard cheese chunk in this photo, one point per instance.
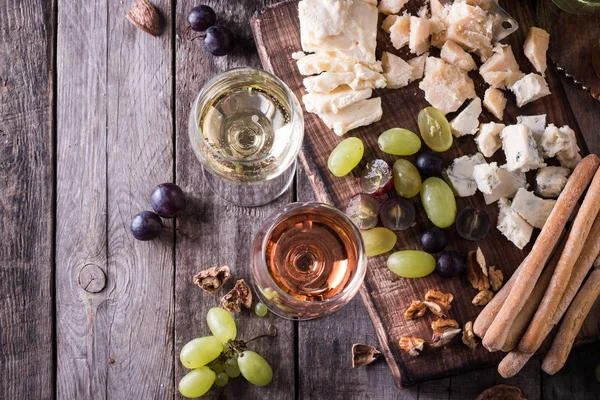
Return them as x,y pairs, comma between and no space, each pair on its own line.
362,113
324,18
396,71
467,122
361,78
446,86
530,88
512,225
313,64
532,208
470,27
388,22
486,177
400,31
535,48
335,100
494,101
391,6
501,70
460,174
454,54
550,181
418,41
562,143
488,140
520,149
418,65
510,182
535,123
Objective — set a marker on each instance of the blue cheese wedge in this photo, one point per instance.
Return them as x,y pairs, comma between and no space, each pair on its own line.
397,72
562,143
494,101
363,113
459,175
520,149
530,88
550,181
467,122
535,123
335,100
512,225
486,177
510,182
445,85
488,140
533,209
569,156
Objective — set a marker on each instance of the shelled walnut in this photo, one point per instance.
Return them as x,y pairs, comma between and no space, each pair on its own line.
468,336
238,296
496,278
502,392
412,345
477,271
438,302
444,330
415,310
483,297
212,279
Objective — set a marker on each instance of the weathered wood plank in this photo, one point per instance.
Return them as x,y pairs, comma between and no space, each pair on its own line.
115,144
26,199
222,233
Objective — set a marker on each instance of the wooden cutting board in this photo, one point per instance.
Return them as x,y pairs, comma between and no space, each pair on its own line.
386,295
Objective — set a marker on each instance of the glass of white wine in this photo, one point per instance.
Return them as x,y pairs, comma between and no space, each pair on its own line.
246,128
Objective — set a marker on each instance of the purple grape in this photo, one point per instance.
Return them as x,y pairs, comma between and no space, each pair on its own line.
201,18
429,164
168,200
397,214
146,226
434,240
472,223
450,265
363,210
218,41
377,179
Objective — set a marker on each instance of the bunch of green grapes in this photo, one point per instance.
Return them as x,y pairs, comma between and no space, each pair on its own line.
217,358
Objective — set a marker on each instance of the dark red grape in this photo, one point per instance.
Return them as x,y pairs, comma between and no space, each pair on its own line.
168,200
397,214
218,41
434,240
429,164
363,211
472,223
377,179
450,265
201,18
146,226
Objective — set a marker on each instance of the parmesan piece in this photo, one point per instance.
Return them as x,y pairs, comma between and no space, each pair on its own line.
396,71
418,65
488,140
388,22
446,86
362,113
535,48
390,6
529,88
501,69
400,31
470,27
320,103
418,42
494,101
454,54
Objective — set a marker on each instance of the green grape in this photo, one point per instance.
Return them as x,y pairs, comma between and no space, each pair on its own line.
218,367
346,155
221,324
407,180
260,309
399,142
435,129
232,368
197,382
378,241
438,201
411,263
222,379
254,368
200,351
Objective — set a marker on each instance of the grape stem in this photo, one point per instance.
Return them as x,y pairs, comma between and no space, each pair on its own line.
272,332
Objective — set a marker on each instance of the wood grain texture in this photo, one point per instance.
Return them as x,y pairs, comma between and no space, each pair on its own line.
115,143
26,199
277,36
222,233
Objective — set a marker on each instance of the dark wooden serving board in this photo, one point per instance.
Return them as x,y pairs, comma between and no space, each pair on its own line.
386,296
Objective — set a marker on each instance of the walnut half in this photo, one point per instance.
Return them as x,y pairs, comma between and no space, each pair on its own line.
412,345
212,279
483,297
496,278
468,336
444,330
438,302
477,271
502,392
415,310
238,296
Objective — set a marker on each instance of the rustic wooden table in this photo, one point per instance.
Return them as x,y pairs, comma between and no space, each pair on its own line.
93,116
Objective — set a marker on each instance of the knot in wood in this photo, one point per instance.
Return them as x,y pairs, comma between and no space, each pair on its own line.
92,278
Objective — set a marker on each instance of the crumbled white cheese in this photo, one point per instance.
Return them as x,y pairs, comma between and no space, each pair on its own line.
335,100
391,6
532,208
446,86
512,225
400,31
562,143
358,114
535,48
486,177
396,71
510,182
418,41
459,175
454,54
488,140
494,101
467,122
550,181
520,149
529,88
535,123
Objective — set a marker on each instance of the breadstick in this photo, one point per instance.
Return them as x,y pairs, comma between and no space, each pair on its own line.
515,360
533,337
525,281
569,328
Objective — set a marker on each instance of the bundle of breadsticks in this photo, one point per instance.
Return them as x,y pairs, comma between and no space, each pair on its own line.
524,311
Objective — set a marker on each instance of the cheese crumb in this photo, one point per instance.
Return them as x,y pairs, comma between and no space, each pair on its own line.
501,69
446,86
535,48
391,6
529,88
396,71
418,42
494,101
388,22
363,113
400,31
454,54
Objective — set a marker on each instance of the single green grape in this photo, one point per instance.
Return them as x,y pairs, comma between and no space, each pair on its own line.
411,263
197,382
438,201
218,367
232,368
435,129
346,155
378,241
399,142
221,324
407,180
260,309
222,379
200,351
254,368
